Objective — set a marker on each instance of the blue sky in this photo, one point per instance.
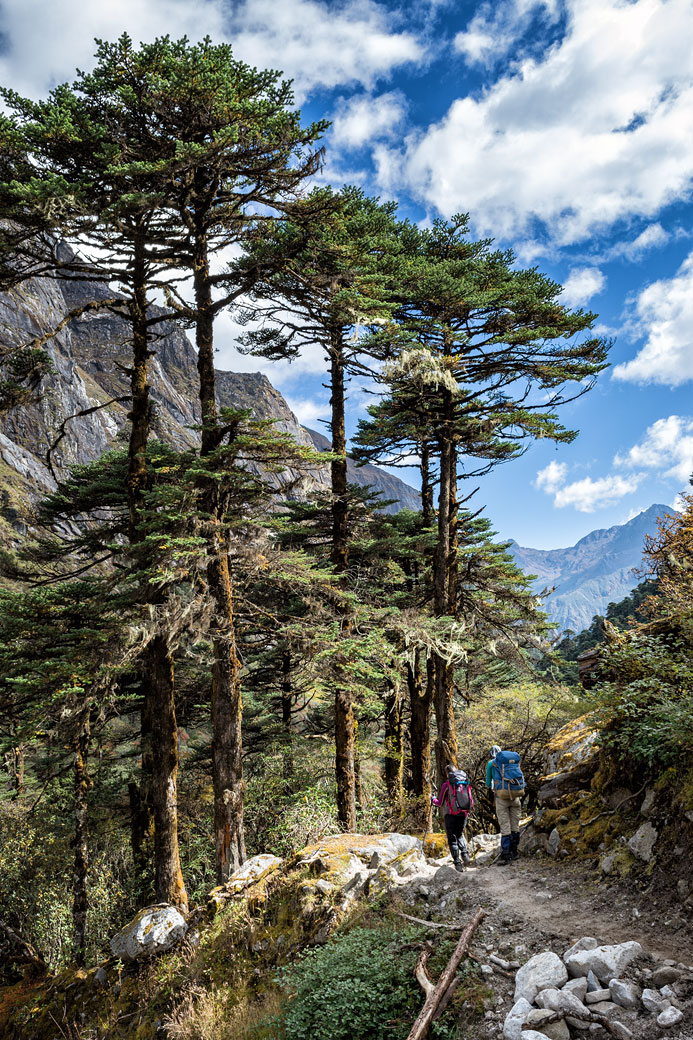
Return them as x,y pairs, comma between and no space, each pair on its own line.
564,127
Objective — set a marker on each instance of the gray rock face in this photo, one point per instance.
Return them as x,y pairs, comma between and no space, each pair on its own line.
643,841
624,993
607,962
512,1027
154,930
543,971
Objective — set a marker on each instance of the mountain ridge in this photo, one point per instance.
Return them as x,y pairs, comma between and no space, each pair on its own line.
598,569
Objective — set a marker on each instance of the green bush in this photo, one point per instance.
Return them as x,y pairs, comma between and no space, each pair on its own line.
359,986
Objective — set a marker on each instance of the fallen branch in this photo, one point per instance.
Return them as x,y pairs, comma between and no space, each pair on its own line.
422,977
435,997
25,951
428,924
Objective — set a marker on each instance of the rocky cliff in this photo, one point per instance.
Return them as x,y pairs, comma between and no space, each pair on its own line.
597,570
90,359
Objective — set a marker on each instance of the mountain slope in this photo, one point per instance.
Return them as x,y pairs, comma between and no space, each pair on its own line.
90,359
597,570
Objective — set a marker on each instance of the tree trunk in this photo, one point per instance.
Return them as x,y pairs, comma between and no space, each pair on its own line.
394,747
140,411
344,708
142,837
227,707
81,842
443,585
287,701
420,700
168,877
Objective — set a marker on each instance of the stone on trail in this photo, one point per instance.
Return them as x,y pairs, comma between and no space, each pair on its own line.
593,982
626,994
512,1027
537,1019
643,841
671,1016
154,930
597,995
543,971
532,1034
652,1000
665,975
607,962
560,1000
620,1031
578,987
586,943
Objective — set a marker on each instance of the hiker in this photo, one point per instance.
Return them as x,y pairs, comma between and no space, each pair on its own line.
456,800
504,777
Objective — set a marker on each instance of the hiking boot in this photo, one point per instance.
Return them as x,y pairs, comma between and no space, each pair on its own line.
514,845
459,865
505,858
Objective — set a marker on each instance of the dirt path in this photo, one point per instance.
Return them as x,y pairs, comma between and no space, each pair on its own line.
544,901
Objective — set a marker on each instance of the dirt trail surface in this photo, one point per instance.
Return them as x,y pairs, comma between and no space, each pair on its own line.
554,901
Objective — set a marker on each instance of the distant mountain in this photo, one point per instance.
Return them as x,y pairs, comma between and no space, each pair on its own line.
596,571
390,487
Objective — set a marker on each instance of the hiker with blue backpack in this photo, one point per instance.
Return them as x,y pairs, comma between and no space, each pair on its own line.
505,778
456,801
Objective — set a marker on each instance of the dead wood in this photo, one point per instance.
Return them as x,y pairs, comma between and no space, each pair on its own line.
25,952
435,997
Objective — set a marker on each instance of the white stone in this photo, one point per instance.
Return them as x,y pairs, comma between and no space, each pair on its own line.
643,841
648,802
560,1000
593,982
254,869
578,987
554,842
512,1027
532,1034
586,943
542,971
626,994
607,962
483,848
596,995
652,1000
671,1016
553,1030
154,930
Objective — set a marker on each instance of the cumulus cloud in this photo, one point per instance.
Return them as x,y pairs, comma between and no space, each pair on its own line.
316,43
309,411
595,130
495,27
651,237
666,447
581,285
585,495
551,477
361,120
665,314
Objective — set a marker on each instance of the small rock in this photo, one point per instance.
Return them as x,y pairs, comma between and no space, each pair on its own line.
670,994
625,994
486,969
606,1007
536,1019
586,943
643,841
593,982
553,842
532,1034
648,802
596,995
560,1000
578,987
543,897
607,962
665,975
652,1000
620,1031
542,971
100,976
671,1016
514,1020
607,864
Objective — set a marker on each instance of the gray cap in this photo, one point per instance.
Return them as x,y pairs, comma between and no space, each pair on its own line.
495,750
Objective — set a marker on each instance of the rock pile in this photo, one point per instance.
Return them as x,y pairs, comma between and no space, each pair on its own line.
598,990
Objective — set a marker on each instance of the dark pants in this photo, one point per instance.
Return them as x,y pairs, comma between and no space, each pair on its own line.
454,828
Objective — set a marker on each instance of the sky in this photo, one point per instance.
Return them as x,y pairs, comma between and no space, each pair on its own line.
563,127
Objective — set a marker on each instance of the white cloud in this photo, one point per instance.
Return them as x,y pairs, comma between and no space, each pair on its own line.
494,28
309,411
316,43
665,314
363,119
595,131
587,495
651,237
551,477
666,447
581,285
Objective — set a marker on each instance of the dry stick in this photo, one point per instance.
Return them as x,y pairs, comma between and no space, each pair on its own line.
26,951
428,924
420,1028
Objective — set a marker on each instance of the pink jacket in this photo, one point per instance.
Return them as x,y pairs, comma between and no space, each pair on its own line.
446,800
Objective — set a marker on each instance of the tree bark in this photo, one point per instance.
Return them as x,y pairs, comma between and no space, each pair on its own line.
343,702
80,900
140,410
287,702
142,837
420,700
168,877
227,705
394,747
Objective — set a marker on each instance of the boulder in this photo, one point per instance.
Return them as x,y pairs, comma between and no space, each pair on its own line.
543,971
607,962
154,930
537,1019
484,847
253,870
586,943
516,1017
625,994
671,1016
578,987
571,760
643,841
560,1000
665,976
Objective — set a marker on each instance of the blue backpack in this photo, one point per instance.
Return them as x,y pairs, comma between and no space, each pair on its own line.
508,779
